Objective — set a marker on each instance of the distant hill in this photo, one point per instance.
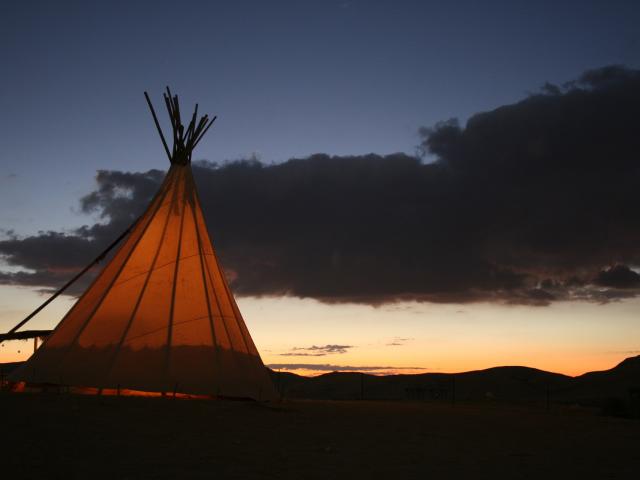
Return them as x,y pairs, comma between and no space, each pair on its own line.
616,391
510,384
499,383
620,382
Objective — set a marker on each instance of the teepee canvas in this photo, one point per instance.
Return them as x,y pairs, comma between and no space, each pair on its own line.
160,317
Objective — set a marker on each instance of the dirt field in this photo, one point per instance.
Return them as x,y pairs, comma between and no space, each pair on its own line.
69,436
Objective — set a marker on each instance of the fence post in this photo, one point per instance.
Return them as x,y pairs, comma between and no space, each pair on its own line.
548,398
453,389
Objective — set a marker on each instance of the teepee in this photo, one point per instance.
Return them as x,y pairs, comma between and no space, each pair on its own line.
160,316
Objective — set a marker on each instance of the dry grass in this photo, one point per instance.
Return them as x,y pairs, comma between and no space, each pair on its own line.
69,436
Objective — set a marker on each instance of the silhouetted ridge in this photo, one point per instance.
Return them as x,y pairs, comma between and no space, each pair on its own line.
510,384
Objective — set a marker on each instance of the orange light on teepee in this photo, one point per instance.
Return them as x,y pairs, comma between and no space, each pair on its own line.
160,317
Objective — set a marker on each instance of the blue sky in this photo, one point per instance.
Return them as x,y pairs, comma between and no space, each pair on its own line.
286,79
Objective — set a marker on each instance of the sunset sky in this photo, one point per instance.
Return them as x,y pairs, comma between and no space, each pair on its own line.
376,233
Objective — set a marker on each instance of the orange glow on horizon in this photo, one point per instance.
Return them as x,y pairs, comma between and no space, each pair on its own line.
307,372
566,365
565,338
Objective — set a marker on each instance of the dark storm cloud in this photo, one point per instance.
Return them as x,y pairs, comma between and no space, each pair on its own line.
317,351
618,276
49,259
530,203
120,196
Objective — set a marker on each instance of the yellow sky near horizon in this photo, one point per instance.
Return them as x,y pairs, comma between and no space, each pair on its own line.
566,337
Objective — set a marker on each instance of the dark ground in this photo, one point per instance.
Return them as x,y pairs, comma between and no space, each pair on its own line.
69,436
